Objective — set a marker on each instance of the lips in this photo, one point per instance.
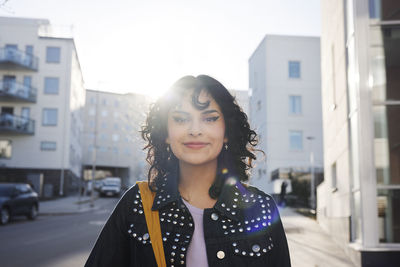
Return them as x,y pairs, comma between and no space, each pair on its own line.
195,145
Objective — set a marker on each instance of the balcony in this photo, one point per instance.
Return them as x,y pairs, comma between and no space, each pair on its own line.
10,123
12,91
14,59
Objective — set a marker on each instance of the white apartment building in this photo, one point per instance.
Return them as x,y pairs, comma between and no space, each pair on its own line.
285,110
112,125
359,201
41,100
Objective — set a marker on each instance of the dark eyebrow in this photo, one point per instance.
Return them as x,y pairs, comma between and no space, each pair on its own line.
209,111
204,112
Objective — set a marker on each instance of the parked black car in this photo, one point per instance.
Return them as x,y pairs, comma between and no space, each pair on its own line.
17,199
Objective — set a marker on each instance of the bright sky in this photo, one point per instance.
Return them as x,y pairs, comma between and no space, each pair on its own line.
145,45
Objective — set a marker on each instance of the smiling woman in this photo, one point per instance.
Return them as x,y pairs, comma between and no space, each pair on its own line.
201,213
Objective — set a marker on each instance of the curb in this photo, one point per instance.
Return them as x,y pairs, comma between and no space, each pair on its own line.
83,210
68,212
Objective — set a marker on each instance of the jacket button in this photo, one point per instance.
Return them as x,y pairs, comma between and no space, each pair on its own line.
146,236
220,254
255,248
214,216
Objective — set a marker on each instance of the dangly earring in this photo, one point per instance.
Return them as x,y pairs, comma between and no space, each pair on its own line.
226,146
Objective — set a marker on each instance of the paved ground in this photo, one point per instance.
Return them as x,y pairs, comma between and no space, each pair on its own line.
309,245
69,238
71,205
59,240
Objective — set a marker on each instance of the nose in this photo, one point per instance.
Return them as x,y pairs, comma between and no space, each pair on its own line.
195,128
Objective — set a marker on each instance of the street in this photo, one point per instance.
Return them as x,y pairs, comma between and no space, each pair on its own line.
63,240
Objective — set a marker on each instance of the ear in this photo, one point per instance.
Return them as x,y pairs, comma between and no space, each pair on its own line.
167,140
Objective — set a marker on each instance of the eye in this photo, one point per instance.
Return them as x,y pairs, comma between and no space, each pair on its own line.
211,119
179,119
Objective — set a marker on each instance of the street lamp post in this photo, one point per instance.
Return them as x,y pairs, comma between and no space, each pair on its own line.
312,194
94,151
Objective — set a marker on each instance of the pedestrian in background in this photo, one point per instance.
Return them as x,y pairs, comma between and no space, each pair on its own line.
282,201
201,212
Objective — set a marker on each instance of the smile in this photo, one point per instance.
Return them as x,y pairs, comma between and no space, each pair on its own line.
195,145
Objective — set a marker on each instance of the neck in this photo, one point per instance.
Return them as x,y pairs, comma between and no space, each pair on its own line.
195,182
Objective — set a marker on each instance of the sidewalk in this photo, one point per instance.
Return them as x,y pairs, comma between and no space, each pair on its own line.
309,245
72,205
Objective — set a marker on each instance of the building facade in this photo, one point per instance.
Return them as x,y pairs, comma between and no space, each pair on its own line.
359,201
285,110
41,100
112,141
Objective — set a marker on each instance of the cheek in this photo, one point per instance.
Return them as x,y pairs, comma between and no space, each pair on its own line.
219,132
174,134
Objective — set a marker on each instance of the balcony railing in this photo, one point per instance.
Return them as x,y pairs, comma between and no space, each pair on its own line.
10,123
11,58
13,91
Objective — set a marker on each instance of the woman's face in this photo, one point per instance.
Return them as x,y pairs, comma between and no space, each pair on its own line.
196,136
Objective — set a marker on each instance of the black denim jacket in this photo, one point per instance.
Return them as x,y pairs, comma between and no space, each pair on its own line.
242,229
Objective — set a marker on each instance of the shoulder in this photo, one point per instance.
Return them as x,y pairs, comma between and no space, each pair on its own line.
258,203
257,192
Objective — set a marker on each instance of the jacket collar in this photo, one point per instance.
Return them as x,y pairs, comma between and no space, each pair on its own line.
232,201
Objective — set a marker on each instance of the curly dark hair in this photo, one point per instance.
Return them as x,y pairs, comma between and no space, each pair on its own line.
235,161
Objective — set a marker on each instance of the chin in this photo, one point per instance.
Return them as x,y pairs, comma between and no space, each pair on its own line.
197,161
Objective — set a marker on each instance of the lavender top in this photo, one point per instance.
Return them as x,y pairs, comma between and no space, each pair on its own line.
196,253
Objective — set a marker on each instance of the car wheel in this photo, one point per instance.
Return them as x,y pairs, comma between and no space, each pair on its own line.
33,213
5,216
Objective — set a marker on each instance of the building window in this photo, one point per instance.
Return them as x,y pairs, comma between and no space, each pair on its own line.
49,146
294,69
334,177
104,102
115,137
51,85
103,136
128,127
91,124
374,9
294,104
49,117
29,49
90,148
258,105
93,100
115,150
296,140
104,125
27,82
116,103
53,54
116,127
102,149
5,149
104,113
127,151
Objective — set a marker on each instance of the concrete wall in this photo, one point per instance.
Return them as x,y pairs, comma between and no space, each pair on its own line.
26,152
270,84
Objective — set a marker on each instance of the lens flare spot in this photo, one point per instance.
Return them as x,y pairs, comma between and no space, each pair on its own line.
231,181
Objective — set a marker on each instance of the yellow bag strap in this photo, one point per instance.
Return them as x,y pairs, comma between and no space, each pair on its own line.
153,222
